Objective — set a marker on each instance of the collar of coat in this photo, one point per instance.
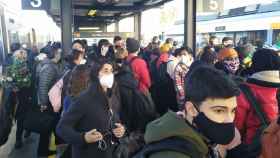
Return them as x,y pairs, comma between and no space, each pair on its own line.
266,78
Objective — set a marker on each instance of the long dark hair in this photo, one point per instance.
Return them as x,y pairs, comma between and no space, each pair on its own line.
95,69
79,80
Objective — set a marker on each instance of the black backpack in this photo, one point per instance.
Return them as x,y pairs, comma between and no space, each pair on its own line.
254,149
153,70
162,72
6,116
127,65
170,144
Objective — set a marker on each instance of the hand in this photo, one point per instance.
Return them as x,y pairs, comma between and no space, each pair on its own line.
119,131
93,136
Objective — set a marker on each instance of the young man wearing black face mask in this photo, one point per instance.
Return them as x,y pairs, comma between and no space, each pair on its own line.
205,122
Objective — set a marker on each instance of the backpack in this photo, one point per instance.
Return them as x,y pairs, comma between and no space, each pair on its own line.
127,65
174,144
254,149
270,140
6,116
162,72
154,70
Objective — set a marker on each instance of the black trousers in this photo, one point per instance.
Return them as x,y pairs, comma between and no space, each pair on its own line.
24,103
44,142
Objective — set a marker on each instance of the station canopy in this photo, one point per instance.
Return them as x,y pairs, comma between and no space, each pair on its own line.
103,12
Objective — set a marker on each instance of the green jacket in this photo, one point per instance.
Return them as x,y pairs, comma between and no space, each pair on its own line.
170,125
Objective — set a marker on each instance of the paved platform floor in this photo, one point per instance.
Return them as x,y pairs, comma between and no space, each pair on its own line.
27,151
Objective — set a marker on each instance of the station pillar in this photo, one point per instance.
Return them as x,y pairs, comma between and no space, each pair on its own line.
190,24
66,24
137,26
269,36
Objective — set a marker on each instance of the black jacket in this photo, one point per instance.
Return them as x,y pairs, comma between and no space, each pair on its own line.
89,111
48,75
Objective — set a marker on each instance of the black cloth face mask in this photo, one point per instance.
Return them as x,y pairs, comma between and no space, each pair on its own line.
219,133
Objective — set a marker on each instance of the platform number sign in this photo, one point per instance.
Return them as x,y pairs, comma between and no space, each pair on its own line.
213,5
35,4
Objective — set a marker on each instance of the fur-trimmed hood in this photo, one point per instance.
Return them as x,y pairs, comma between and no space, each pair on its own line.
266,78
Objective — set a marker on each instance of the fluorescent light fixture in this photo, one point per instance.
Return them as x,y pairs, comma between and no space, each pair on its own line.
89,28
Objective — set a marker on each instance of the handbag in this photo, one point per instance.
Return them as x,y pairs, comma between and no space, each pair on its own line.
55,93
39,122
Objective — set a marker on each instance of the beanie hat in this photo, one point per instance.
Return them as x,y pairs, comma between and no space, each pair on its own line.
165,48
132,45
265,60
265,68
227,53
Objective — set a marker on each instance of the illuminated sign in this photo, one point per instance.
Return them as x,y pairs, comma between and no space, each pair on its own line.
210,5
275,26
35,4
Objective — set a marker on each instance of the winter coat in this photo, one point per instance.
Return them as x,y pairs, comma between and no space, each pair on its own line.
141,73
90,111
48,75
246,120
171,125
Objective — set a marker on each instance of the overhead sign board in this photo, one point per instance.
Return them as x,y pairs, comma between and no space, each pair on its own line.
35,4
210,5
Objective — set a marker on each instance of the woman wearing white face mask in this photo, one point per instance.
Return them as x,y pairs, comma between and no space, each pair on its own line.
90,124
185,59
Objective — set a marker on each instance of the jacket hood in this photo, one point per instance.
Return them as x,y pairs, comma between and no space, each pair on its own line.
266,78
171,125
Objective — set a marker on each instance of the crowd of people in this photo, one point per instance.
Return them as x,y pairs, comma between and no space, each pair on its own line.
122,100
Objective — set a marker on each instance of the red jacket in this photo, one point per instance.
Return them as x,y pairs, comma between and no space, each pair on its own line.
246,120
163,58
141,73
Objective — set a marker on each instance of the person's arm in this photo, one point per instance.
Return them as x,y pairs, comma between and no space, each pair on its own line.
46,77
65,127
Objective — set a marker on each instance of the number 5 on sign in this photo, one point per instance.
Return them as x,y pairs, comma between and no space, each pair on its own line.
213,5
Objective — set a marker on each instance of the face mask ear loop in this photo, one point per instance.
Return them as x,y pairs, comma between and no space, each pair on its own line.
197,109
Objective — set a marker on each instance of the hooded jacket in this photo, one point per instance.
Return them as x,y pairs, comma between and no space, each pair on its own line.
264,87
171,125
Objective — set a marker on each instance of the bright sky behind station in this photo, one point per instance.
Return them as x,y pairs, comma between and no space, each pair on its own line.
39,20
151,23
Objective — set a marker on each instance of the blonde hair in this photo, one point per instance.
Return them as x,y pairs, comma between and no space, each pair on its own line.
20,55
121,53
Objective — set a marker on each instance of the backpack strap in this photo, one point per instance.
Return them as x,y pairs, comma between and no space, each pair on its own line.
174,144
254,103
132,59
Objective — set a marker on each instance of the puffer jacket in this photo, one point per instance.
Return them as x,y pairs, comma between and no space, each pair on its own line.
246,120
48,75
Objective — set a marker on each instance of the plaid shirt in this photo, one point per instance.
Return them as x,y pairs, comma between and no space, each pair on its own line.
180,72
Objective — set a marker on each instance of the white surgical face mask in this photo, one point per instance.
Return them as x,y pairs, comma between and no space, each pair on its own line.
107,80
83,61
104,50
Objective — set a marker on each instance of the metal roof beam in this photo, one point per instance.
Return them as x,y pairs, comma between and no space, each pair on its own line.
137,7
